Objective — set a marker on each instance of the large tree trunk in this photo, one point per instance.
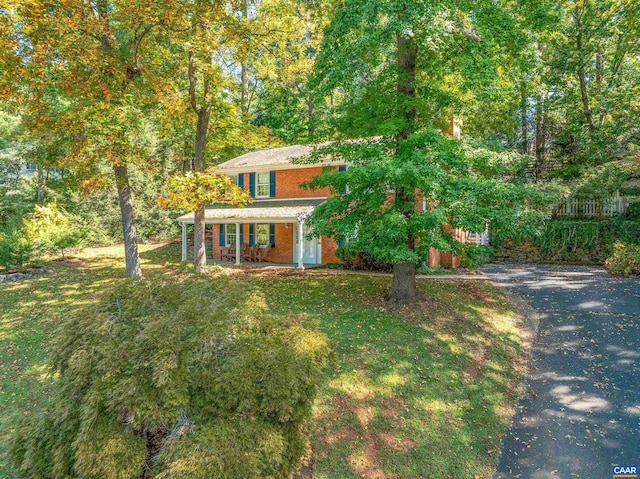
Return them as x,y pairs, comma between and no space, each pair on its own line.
199,249
407,53
244,92
203,111
541,137
524,120
244,73
132,259
43,176
582,75
311,109
403,289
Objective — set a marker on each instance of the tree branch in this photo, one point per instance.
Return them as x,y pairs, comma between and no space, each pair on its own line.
192,84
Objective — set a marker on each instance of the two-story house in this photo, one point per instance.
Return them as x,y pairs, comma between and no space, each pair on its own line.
276,216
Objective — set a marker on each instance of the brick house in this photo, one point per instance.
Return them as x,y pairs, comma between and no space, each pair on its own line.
276,216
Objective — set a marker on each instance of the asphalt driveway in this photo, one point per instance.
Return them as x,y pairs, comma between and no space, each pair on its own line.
581,411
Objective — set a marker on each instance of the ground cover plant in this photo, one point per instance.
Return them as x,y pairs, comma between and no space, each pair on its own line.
625,259
420,391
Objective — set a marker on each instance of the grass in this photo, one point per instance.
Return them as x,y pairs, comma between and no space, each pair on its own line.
422,391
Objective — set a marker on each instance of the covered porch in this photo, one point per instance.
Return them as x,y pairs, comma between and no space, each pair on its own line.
268,231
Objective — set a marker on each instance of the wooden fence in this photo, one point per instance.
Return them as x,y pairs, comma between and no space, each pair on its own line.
577,208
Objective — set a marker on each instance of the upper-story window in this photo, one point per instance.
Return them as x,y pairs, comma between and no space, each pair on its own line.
234,179
263,185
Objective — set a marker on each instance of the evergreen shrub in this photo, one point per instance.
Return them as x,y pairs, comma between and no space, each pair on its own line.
190,379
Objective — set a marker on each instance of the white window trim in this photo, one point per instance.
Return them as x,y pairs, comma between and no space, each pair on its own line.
268,185
226,235
255,233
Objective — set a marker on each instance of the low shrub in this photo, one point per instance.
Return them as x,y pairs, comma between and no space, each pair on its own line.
16,249
190,379
52,230
362,260
625,259
632,212
473,256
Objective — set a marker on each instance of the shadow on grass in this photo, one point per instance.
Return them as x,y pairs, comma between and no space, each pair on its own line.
32,309
415,392
418,392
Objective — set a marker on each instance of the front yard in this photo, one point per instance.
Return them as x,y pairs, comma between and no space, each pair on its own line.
425,391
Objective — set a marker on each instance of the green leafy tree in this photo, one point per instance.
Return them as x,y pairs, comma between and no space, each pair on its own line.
395,79
16,249
578,100
50,230
459,190
82,71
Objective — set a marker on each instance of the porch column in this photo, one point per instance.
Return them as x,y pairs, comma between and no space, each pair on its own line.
184,242
300,244
237,244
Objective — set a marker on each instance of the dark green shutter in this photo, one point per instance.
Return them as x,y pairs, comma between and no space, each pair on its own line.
241,232
241,181
272,184
252,234
252,185
221,236
272,234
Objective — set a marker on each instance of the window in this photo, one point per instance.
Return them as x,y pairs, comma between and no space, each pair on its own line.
230,232
262,185
234,179
262,234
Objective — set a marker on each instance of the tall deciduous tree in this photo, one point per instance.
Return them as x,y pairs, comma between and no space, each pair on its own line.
394,62
93,55
443,188
207,85
212,63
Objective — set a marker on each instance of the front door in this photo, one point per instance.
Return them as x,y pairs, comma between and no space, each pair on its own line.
310,255
310,248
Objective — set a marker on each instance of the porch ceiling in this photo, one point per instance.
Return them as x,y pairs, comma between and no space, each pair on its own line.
262,211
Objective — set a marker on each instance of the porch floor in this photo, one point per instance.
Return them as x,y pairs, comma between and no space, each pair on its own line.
264,264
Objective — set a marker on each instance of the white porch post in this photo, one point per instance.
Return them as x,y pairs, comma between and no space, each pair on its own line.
300,244
237,244
184,242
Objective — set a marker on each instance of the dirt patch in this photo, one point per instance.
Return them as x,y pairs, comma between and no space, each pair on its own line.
397,444
367,468
413,312
70,262
478,293
390,408
478,357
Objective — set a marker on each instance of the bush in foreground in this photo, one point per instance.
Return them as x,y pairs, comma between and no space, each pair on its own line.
624,260
191,379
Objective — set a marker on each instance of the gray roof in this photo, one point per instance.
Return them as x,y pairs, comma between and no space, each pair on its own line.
272,156
268,210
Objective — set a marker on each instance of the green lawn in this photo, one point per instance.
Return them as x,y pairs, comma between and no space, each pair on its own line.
425,391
